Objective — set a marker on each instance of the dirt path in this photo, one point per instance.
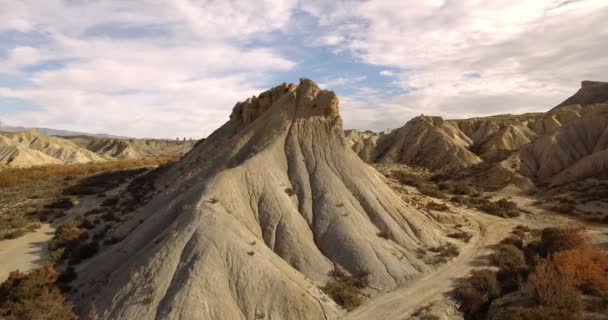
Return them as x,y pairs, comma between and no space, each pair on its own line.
25,253
401,303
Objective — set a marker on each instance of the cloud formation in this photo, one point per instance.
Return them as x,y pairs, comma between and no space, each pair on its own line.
175,68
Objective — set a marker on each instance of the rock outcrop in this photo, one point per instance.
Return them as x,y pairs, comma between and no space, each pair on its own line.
591,92
253,219
575,151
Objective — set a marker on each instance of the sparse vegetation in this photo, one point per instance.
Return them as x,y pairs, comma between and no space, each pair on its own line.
345,290
437,206
477,293
34,296
502,208
425,187
11,177
45,193
558,274
290,192
461,235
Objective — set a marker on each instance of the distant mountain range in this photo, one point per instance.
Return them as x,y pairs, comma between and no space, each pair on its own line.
57,132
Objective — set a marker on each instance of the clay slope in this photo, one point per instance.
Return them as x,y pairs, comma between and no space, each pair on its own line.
255,217
591,92
437,144
137,148
429,142
31,148
364,143
575,151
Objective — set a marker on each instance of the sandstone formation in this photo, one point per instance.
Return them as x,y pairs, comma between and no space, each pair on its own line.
251,221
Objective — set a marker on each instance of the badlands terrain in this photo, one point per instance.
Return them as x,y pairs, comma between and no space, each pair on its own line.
281,214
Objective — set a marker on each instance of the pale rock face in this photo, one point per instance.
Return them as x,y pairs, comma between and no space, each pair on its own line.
254,218
429,142
575,151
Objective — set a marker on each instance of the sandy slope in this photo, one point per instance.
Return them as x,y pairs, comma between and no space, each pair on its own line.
400,304
25,253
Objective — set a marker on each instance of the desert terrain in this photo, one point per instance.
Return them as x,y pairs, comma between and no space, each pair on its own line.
282,214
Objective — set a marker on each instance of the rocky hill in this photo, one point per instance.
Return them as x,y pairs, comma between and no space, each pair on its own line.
32,148
562,145
591,92
135,148
250,222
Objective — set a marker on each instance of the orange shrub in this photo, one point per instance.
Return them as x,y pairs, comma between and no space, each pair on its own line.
584,265
548,287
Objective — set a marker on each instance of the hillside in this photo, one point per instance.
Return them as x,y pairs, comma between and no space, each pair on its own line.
254,218
557,147
31,148
135,148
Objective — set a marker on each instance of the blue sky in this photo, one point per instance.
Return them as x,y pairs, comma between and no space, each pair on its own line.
176,68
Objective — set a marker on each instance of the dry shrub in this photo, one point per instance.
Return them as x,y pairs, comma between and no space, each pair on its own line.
548,287
431,190
34,296
534,313
67,234
345,289
585,265
437,206
562,239
508,257
464,236
476,293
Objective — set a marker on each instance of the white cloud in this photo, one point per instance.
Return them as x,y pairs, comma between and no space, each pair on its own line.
181,81
18,57
387,73
467,58
176,67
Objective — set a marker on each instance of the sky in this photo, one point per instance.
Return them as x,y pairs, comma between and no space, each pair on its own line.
163,69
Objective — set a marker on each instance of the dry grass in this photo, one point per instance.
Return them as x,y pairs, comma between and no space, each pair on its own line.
34,296
17,176
29,196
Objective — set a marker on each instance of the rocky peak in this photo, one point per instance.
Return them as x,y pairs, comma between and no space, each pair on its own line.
310,101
